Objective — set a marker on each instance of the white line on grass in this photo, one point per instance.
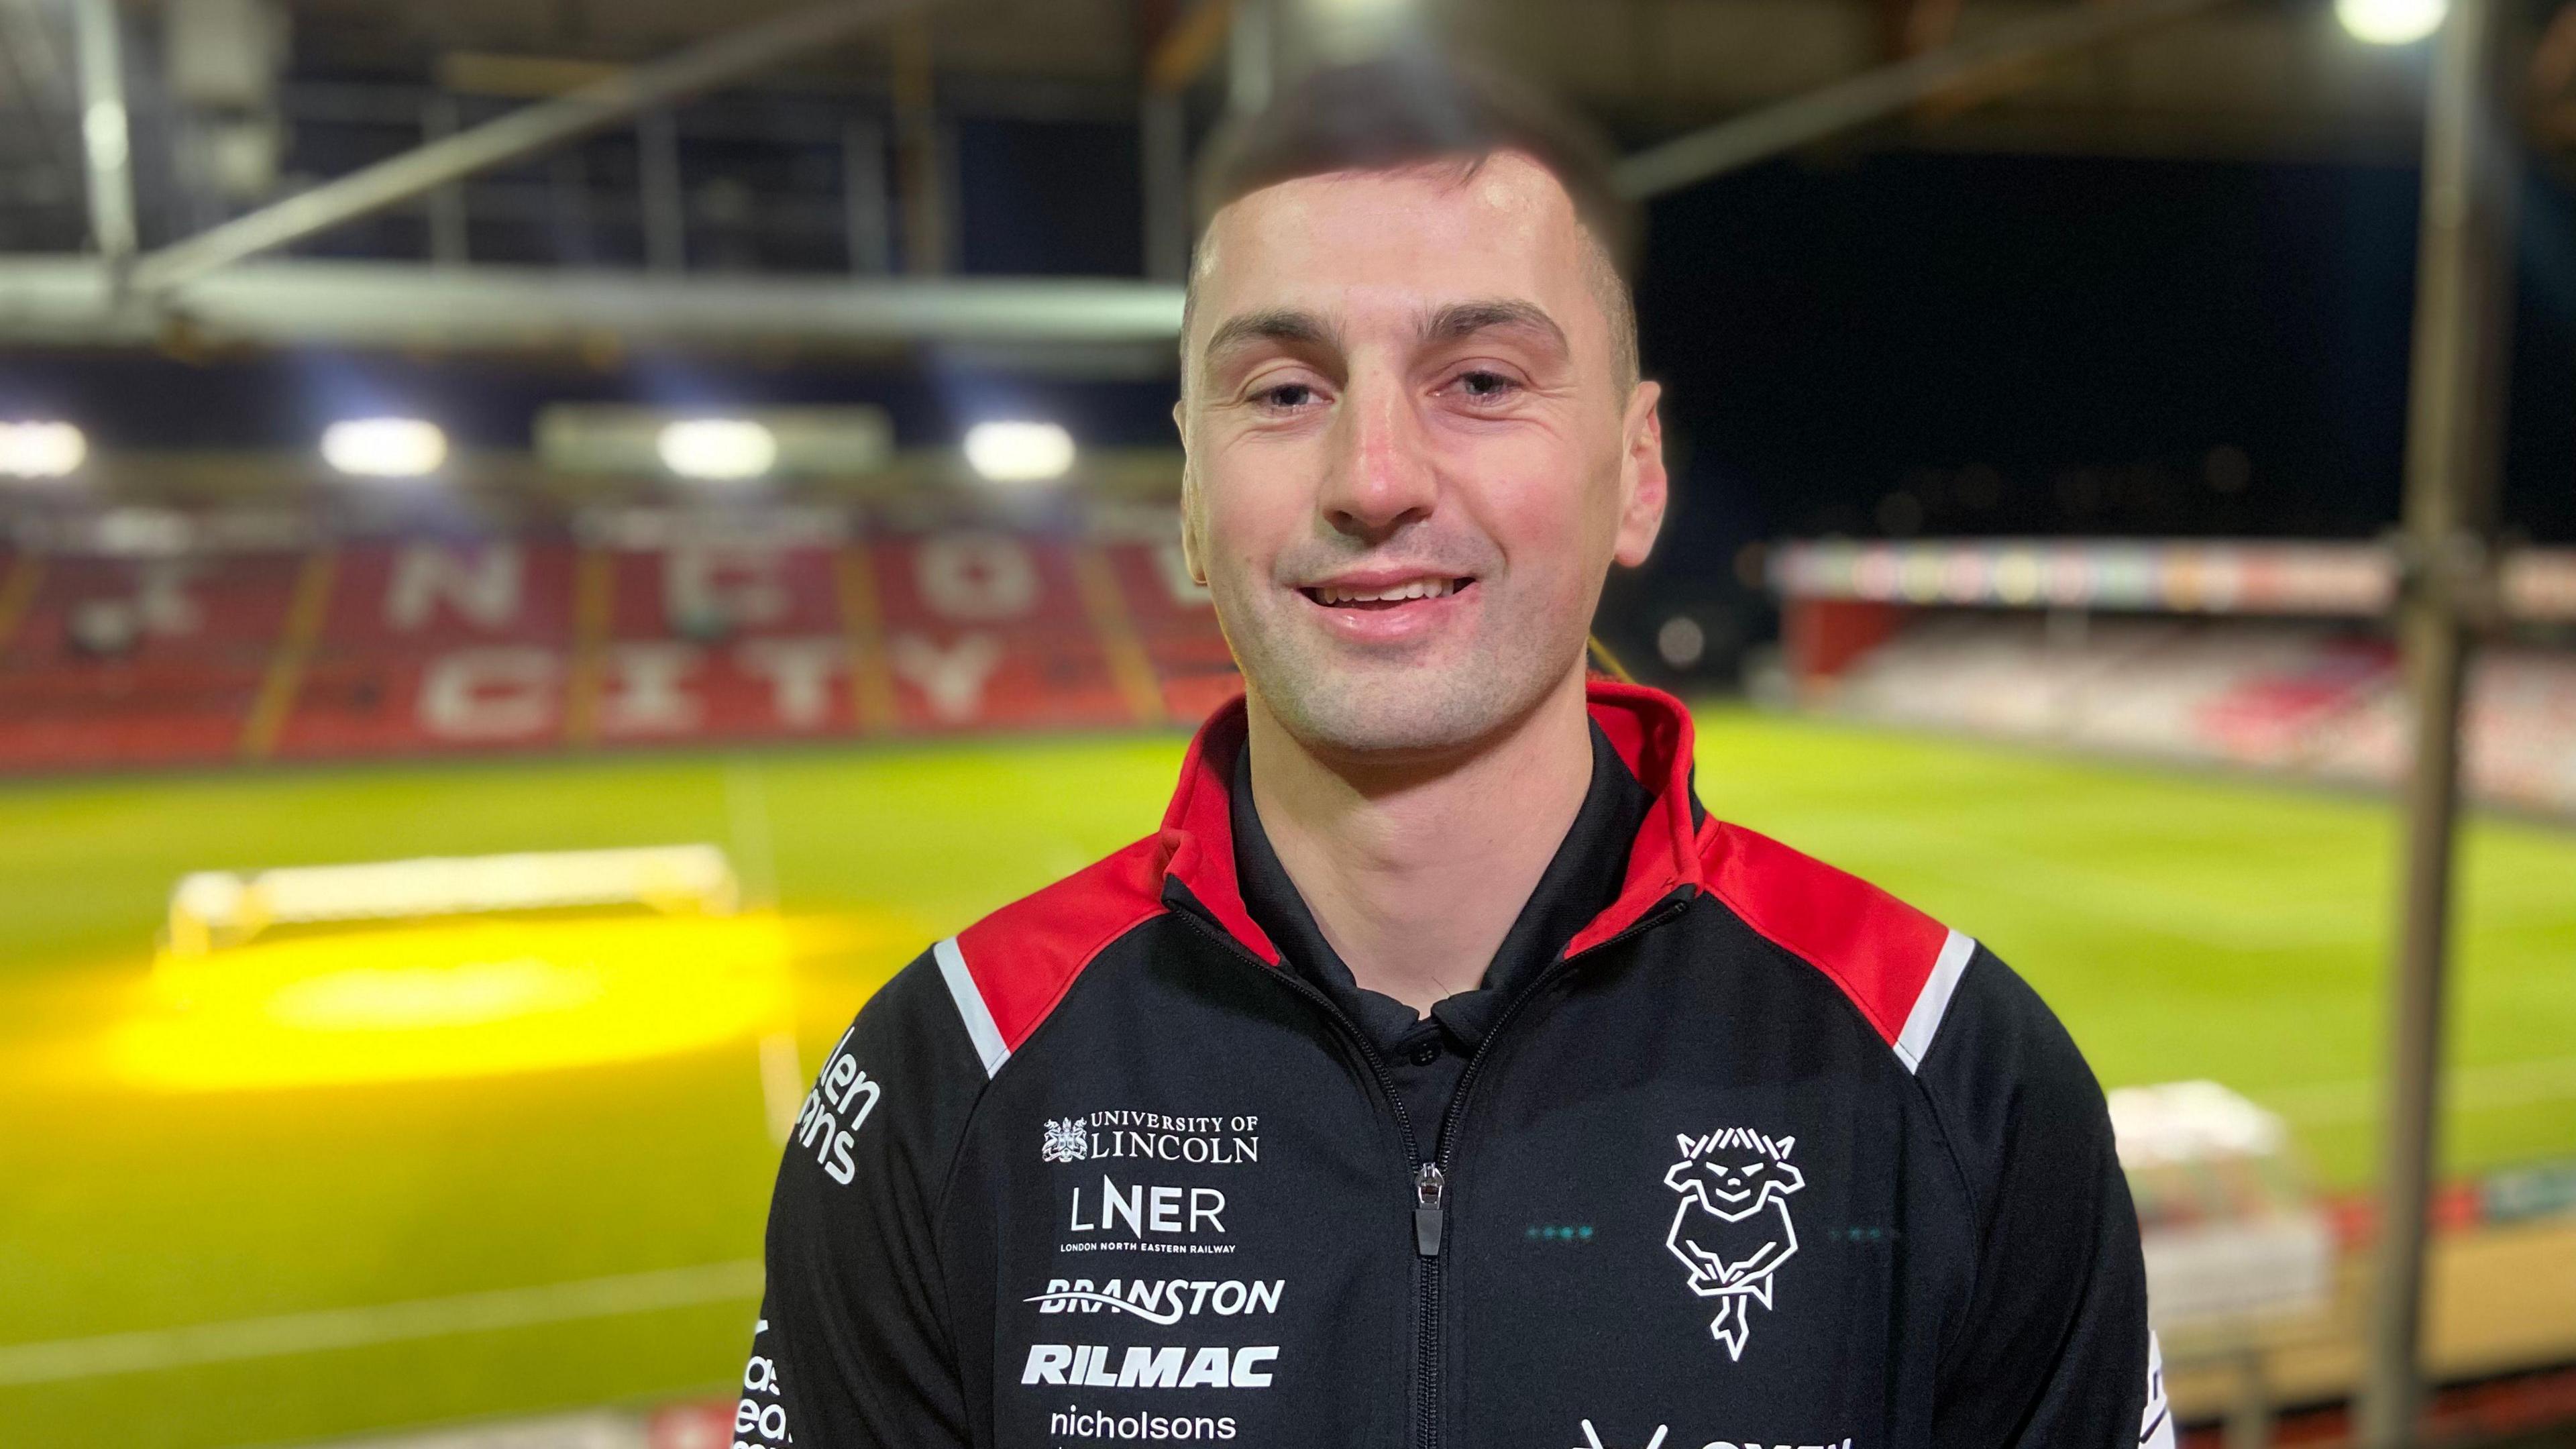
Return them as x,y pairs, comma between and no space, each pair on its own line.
2467,1089
331,1328
747,821
782,1082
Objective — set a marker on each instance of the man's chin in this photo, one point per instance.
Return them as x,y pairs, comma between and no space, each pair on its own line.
1396,710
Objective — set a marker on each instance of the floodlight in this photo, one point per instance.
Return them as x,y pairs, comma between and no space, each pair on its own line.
41,449
717,448
384,447
1019,452
2391,22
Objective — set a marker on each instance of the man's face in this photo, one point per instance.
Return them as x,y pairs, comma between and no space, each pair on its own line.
1411,454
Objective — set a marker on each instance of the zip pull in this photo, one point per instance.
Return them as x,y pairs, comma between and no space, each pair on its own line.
1430,1190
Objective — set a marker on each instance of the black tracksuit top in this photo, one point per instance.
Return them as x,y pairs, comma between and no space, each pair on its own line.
1761,1157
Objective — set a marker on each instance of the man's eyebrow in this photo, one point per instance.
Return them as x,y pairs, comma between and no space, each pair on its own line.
1278,325
1466,319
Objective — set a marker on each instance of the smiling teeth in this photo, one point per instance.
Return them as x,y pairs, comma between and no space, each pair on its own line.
1418,589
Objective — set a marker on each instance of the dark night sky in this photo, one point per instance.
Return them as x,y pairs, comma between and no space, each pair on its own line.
1832,335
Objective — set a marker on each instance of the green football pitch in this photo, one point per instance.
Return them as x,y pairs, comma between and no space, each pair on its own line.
213,1238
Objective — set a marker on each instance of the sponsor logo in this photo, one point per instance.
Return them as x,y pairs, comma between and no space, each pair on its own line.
1067,1140
1149,1210
1151,1137
1592,1437
1592,1440
1165,1301
1087,1365
1732,1229
758,1414
1077,1422
835,1111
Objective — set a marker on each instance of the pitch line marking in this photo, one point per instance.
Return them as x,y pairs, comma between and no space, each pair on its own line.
239,1339
2468,1089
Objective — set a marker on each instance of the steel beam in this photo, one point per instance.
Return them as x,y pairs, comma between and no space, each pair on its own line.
448,234
1163,155
1873,95
665,207
2463,314
106,133
1251,57
66,300
864,213
716,62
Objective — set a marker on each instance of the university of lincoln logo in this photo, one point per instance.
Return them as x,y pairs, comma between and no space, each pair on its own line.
1066,1141
1732,1229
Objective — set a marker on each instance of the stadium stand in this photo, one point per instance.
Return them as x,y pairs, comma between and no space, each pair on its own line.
2237,655
632,627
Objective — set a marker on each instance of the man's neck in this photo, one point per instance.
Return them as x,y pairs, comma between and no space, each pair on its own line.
1415,871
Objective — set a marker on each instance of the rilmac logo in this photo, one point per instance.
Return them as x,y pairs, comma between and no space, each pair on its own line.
1732,1229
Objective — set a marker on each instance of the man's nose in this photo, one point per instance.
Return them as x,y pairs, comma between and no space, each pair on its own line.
1381,477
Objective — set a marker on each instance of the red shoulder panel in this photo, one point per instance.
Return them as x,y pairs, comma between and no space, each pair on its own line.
1878,949
1025,955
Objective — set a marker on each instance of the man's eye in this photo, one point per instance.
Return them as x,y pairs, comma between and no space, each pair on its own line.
1285,396
1486,386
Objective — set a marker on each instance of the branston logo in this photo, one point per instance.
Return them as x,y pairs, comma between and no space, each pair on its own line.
1088,1365
1732,1229
1152,1137
1167,1301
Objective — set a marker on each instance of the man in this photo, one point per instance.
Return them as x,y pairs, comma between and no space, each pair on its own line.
1441,1072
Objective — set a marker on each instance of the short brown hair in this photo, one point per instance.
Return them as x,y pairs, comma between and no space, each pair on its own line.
1416,108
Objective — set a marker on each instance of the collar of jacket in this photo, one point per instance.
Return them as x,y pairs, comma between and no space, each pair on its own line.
1649,728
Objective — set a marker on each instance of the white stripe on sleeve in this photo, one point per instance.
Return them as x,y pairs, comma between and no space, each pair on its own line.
970,1005
1934,1001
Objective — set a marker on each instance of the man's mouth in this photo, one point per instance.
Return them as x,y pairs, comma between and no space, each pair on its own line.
1386,596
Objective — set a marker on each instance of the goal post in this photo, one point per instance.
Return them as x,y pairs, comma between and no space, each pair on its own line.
210,910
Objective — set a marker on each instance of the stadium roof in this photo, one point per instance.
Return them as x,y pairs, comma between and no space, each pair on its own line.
666,150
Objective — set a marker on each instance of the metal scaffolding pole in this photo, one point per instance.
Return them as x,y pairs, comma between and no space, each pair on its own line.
447,229
865,217
921,167
666,217
535,128
1251,57
106,134
1163,154
2463,287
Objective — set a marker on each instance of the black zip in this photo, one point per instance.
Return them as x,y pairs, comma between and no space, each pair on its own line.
1430,1172
1437,1173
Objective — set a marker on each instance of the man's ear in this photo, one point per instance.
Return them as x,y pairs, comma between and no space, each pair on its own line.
1644,488
1189,505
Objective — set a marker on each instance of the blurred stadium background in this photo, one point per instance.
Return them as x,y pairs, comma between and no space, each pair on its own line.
546,548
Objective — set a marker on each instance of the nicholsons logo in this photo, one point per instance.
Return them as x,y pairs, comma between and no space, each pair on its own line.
1732,1229
1222,1141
